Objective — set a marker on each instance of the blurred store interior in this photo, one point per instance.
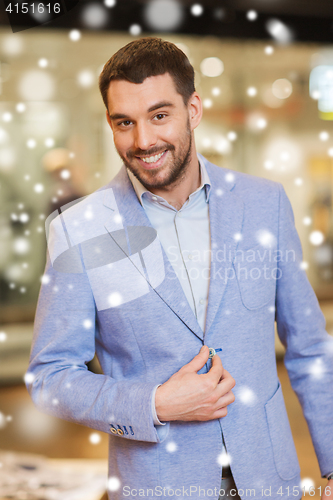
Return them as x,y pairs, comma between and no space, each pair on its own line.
268,111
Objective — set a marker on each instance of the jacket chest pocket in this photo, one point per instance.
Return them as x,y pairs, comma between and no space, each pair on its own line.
256,270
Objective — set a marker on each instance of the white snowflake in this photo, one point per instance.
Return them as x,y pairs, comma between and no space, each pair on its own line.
307,483
135,29
29,378
113,483
87,323
45,279
24,217
224,459
74,35
171,447
316,238
252,91
317,369
252,15
117,218
38,188
31,143
265,238
197,9
246,395
49,142
95,438
324,135
269,50
20,107
232,136
65,174
115,299
43,62
230,177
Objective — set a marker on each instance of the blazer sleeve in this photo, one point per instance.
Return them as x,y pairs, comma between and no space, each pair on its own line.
58,379
301,328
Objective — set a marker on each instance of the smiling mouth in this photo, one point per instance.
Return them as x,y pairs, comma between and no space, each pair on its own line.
153,158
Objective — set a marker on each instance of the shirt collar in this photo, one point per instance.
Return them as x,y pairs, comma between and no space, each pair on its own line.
204,178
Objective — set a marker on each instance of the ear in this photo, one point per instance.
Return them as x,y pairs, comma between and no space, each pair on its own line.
194,106
108,119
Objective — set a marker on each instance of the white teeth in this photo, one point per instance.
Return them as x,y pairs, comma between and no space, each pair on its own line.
152,159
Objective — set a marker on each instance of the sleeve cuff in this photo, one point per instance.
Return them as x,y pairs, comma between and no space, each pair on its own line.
153,409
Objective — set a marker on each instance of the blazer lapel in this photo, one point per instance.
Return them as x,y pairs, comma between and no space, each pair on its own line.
123,203
226,212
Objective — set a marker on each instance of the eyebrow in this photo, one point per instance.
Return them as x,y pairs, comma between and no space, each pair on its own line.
162,104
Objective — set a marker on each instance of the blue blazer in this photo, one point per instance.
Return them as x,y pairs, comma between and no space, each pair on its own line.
109,288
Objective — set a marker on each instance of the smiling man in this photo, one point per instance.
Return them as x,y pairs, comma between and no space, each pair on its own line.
174,267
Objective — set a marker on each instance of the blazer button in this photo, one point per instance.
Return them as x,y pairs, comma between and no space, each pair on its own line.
120,432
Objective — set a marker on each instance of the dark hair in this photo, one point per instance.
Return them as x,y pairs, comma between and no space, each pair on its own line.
147,57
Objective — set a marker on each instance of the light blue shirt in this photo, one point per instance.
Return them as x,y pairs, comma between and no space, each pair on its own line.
185,237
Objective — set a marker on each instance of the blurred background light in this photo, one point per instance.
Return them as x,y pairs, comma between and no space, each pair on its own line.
321,87
85,78
212,67
7,158
135,29
12,45
282,88
94,16
4,136
164,15
279,31
36,85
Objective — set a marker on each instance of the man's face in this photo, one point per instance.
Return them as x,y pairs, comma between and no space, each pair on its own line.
152,129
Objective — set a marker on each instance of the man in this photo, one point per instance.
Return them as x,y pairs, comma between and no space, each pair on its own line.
173,267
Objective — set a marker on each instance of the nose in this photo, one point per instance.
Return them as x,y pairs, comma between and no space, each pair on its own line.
145,136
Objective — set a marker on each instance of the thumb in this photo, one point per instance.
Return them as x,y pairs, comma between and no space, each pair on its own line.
199,360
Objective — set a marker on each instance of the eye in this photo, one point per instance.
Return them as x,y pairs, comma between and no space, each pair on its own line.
160,116
124,123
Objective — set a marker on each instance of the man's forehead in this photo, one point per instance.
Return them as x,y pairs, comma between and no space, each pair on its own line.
150,91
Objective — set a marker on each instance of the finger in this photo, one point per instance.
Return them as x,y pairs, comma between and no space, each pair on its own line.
225,400
199,360
216,371
227,383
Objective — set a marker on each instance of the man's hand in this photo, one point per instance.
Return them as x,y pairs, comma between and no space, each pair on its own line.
328,490
189,396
